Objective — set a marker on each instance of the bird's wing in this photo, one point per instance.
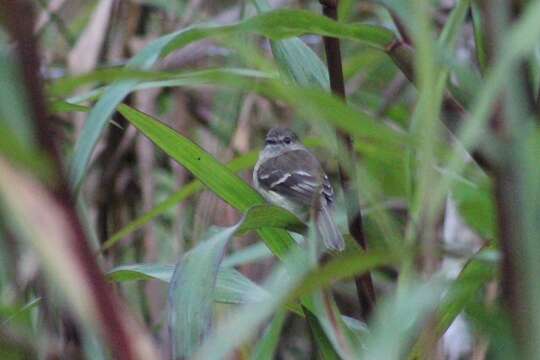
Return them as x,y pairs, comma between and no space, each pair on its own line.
296,175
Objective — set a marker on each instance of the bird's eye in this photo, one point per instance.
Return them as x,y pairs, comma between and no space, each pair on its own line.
270,142
287,140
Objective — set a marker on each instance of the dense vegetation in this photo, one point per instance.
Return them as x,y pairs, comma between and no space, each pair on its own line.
129,227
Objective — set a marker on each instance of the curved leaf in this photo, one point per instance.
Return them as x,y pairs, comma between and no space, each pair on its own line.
285,288
324,345
191,293
266,347
476,274
68,84
193,284
261,216
240,163
275,24
220,179
231,286
137,272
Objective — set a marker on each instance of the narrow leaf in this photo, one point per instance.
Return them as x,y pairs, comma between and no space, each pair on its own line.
275,24
324,345
267,345
191,293
241,163
221,180
231,286
260,216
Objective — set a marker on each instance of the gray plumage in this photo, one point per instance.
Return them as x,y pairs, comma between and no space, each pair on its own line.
288,175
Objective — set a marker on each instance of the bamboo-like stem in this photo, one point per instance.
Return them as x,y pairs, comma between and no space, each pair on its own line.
112,316
364,284
508,123
403,54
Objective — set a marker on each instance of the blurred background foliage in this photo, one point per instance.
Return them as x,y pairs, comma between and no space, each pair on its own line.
129,228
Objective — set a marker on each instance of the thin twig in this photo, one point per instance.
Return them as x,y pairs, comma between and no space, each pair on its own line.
400,27
364,284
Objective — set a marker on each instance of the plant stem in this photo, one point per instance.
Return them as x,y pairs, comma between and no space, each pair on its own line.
364,284
108,307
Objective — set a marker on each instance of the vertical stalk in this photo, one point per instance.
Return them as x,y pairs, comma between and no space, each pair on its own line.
511,124
112,316
364,284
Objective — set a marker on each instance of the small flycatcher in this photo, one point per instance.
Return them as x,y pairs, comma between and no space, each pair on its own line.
288,175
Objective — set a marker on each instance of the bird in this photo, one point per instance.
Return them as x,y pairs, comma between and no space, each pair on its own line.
288,175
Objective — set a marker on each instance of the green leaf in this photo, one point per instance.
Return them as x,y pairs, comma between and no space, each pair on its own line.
324,345
275,24
300,63
104,108
176,198
137,272
267,345
286,284
519,41
475,203
234,288
243,162
247,255
476,274
193,284
296,59
260,216
220,179
397,319
15,113
61,106
191,293
317,106
68,84
341,267
231,286
19,315
479,35
451,29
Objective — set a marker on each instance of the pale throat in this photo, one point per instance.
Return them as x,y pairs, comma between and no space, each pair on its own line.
271,151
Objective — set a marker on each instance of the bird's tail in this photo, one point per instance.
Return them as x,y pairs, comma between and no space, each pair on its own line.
328,231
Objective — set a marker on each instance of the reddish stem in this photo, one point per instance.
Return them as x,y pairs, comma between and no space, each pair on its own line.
364,284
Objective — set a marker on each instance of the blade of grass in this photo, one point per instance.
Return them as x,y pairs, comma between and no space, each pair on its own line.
296,59
324,346
191,293
267,345
243,162
193,283
516,44
476,274
298,282
68,84
220,179
231,286
276,25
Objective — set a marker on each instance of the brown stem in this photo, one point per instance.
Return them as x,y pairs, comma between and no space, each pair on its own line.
364,284
506,122
403,56
114,326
